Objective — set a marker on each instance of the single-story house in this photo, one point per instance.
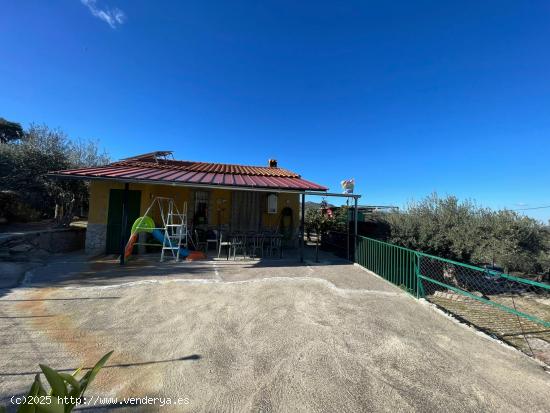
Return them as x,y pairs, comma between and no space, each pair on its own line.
217,196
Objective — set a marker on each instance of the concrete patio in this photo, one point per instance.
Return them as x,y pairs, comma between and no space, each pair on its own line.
253,335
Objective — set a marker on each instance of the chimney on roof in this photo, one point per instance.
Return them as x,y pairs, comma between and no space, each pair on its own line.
273,163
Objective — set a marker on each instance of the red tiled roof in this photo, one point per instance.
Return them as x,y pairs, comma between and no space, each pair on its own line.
155,169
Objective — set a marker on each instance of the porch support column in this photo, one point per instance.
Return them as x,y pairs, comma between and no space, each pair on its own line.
347,231
123,239
355,214
302,227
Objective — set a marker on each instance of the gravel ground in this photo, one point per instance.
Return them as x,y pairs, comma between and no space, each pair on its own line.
243,336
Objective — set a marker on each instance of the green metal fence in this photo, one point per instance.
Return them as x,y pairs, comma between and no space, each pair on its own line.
514,309
396,264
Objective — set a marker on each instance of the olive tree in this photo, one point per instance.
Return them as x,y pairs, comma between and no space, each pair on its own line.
467,232
10,131
24,165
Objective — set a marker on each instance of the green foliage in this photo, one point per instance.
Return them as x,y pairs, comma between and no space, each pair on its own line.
316,220
324,218
66,389
341,220
14,209
10,131
25,163
466,232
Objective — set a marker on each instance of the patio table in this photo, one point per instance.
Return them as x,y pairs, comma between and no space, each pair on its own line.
245,237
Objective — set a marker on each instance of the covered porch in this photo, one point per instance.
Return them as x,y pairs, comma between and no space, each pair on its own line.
247,210
223,223
213,215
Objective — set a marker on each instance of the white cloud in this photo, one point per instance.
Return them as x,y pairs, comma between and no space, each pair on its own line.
113,17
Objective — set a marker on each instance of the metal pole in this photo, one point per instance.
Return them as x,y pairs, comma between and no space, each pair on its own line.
355,214
347,229
124,223
302,227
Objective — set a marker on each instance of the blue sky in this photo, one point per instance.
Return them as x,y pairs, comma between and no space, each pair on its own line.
406,97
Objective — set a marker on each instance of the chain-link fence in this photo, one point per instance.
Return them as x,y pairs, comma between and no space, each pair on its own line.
515,310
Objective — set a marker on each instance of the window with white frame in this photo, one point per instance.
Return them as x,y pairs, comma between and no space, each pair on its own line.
272,203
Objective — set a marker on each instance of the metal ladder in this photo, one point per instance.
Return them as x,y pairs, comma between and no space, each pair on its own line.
175,230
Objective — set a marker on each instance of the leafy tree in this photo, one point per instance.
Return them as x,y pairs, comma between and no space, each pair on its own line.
10,131
24,166
323,219
466,232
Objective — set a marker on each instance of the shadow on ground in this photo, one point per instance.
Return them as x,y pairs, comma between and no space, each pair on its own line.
109,366
76,269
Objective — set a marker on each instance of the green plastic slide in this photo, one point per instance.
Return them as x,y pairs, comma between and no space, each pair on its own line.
143,224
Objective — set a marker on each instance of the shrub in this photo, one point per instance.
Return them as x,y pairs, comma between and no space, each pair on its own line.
466,232
12,208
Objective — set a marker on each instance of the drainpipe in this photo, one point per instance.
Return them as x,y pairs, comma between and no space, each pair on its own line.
302,227
123,239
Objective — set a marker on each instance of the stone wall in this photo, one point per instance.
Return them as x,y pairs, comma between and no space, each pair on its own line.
33,245
96,239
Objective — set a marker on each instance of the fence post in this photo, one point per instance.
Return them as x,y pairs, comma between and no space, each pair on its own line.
416,274
355,215
419,286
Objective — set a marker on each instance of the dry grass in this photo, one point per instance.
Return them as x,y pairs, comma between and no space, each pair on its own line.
530,337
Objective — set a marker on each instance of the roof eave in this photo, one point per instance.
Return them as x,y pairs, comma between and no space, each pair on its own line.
187,184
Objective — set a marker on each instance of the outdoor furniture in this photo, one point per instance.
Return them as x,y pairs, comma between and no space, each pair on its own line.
212,237
276,245
256,244
224,243
238,243
200,244
253,244
249,241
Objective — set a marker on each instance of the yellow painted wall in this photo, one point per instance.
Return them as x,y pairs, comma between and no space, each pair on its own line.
99,197
220,206
99,200
149,192
283,200
220,202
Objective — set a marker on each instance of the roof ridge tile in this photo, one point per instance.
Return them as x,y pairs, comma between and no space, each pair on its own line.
190,166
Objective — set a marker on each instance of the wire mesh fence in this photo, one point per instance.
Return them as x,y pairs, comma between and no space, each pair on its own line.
515,310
